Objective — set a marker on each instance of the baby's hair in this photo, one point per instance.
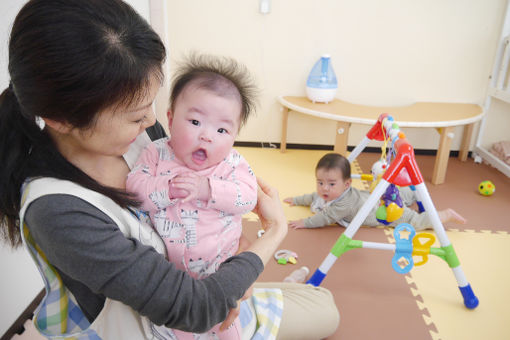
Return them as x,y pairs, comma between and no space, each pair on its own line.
335,161
222,75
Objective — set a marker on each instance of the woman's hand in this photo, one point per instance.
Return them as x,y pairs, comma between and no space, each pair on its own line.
268,208
270,212
234,312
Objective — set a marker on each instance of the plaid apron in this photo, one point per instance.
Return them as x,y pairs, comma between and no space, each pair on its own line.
58,316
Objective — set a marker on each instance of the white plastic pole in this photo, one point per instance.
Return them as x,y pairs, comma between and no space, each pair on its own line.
362,214
358,149
424,195
380,246
328,262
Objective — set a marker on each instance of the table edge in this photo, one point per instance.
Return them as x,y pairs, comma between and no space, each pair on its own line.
367,121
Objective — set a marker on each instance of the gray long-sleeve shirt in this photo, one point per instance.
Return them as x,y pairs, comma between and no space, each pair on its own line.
344,209
340,210
95,261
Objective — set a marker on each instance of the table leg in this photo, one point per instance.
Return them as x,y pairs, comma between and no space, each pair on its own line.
443,152
285,118
342,136
466,140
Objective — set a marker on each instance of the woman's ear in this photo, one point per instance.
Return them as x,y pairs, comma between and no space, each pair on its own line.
59,127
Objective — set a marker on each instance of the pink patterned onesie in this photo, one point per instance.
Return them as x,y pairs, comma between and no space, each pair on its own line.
198,235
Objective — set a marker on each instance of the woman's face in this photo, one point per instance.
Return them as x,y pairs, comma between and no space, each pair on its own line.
117,127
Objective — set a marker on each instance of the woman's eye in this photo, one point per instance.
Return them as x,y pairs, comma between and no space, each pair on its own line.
140,120
195,122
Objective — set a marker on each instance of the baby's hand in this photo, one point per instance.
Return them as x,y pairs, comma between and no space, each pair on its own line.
196,187
175,192
297,224
289,201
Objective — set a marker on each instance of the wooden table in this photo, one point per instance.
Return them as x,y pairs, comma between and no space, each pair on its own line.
442,116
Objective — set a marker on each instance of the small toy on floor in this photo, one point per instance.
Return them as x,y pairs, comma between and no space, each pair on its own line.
486,188
284,256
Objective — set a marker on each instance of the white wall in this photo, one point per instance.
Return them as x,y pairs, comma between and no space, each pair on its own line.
391,52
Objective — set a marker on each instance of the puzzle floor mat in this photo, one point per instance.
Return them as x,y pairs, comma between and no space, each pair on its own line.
374,301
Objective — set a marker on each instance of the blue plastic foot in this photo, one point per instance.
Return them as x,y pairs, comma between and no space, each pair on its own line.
470,300
316,278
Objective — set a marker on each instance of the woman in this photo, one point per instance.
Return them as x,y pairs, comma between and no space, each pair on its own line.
90,69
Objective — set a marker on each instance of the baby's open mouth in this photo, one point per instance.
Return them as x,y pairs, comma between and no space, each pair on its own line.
200,155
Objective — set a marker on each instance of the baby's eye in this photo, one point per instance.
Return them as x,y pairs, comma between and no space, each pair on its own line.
195,122
222,130
332,184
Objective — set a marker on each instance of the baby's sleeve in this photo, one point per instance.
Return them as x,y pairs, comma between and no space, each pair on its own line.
330,215
234,186
144,180
305,200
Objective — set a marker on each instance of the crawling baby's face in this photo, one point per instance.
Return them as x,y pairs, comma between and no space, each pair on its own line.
330,183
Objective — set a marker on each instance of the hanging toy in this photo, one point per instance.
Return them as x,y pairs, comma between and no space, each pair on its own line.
391,208
378,169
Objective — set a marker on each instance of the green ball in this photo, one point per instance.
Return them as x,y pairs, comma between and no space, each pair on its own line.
486,188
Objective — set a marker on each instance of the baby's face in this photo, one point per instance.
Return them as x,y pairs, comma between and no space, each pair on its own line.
330,183
203,127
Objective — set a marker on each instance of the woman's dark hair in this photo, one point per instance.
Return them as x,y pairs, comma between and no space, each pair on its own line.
221,75
68,61
335,161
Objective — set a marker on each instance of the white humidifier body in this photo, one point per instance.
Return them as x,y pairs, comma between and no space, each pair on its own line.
322,84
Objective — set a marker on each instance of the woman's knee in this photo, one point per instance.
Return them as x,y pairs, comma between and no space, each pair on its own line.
308,313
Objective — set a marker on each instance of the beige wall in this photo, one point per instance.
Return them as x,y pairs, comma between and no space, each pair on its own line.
391,52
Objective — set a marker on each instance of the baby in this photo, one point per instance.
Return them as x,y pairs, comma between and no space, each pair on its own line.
194,185
336,201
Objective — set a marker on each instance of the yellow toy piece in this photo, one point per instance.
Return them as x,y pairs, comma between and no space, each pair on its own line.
422,249
292,260
367,177
393,212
